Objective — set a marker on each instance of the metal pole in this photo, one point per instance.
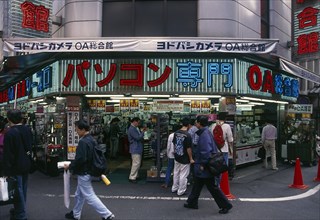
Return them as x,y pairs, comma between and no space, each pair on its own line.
15,96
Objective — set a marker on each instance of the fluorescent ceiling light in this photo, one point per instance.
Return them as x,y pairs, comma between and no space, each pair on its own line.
245,105
113,101
189,98
241,100
162,96
256,103
102,96
281,102
200,96
145,98
250,98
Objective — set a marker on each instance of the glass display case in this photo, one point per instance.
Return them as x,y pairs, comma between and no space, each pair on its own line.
300,140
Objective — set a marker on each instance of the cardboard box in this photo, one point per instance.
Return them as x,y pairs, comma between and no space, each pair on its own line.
152,173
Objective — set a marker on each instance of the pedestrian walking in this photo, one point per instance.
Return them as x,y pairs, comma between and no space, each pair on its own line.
182,158
268,138
170,156
202,176
135,137
81,167
16,161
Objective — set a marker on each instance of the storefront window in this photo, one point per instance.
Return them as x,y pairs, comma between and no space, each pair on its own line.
149,18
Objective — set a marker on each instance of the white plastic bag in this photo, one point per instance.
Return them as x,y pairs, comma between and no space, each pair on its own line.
4,195
66,181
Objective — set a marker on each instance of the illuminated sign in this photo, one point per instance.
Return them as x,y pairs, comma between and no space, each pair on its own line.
25,87
277,84
306,28
35,17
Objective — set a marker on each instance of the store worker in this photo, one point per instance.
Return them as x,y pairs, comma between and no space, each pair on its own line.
268,138
16,162
135,137
80,166
202,176
114,137
182,142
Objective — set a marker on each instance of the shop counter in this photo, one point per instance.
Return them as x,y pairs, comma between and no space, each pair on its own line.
247,152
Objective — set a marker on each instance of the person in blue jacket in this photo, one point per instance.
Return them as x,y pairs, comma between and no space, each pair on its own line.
135,137
206,146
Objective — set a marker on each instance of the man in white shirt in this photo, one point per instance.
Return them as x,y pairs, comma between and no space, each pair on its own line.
227,149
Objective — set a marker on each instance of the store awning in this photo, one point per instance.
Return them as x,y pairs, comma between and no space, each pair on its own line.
315,90
299,71
16,68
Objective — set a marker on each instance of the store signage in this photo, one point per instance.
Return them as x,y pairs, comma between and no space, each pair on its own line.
274,84
72,137
308,42
200,106
25,87
189,74
35,16
300,108
256,46
306,28
167,106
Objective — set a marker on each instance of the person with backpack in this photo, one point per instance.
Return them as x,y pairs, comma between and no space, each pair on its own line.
222,135
81,166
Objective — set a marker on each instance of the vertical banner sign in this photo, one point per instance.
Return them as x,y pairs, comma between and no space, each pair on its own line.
134,105
195,106
205,106
124,105
92,103
101,105
73,137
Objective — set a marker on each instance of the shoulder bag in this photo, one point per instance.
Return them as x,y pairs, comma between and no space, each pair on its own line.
217,164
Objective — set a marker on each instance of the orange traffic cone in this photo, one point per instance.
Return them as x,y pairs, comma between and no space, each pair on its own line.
298,181
224,185
318,175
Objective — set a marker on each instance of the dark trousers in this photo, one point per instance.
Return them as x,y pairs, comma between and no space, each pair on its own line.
214,190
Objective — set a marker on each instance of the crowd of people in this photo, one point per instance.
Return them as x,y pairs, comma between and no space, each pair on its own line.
189,147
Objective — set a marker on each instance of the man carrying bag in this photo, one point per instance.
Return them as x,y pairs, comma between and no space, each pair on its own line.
202,176
17,163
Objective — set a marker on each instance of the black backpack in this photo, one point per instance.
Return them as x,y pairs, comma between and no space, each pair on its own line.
98,162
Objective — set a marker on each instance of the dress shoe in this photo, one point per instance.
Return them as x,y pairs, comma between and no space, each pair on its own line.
164,186
69,215
133,181
225,210
187,205
109,217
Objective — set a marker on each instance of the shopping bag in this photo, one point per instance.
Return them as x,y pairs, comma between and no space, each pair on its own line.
66,181
217,164
8,190
262,153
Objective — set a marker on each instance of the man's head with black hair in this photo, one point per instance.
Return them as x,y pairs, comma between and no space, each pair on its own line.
14,116
185,122
203,120
222,116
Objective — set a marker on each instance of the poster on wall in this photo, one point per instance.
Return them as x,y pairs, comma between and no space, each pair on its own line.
72,136
231,105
